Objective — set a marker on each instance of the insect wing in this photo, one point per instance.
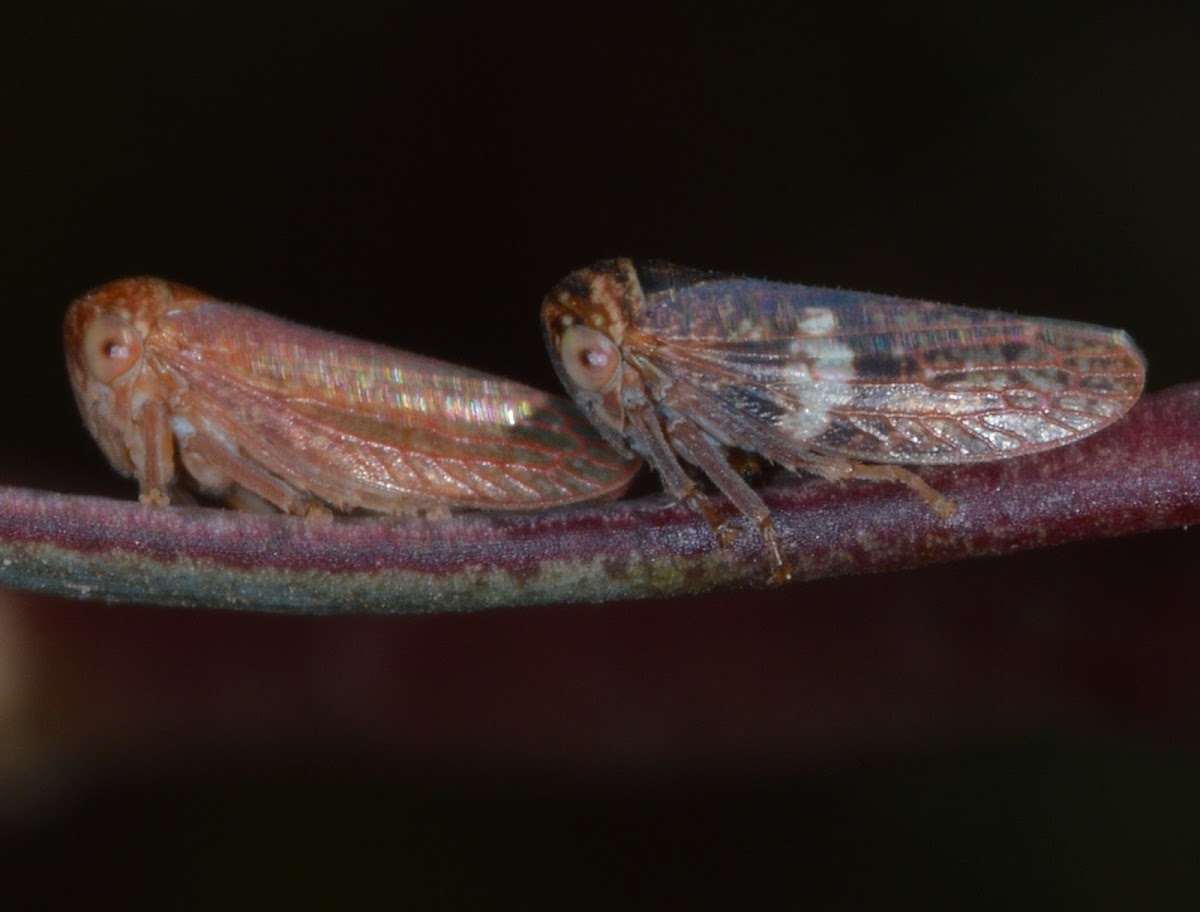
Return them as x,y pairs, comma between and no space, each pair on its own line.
786,370
361,425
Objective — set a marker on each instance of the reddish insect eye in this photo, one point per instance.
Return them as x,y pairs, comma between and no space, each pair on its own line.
111,347
589,357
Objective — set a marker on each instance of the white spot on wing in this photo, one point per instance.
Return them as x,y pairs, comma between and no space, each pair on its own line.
818,380
816,321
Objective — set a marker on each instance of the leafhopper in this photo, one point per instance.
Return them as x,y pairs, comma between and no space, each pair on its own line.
193,396
688,368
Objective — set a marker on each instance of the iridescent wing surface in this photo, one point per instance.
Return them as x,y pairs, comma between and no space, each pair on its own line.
363,425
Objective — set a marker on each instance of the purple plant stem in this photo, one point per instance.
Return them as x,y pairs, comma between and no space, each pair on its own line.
1139,475
1094,644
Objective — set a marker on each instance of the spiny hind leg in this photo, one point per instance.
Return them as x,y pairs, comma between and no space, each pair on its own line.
691,443
675,480
832,468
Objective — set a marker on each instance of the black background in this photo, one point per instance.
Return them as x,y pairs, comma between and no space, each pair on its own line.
421,176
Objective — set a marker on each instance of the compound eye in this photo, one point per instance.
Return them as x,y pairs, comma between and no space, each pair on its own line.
589,357
110,348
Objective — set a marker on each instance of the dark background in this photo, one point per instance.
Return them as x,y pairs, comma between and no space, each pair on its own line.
421,176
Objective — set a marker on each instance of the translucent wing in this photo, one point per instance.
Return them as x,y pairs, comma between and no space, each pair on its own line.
789,369
360,425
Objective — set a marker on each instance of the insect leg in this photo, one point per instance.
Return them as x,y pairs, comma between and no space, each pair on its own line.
834,469
240,471
664,461
158,465
693,446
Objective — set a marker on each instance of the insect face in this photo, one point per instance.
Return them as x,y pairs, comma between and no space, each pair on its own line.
105,337
584,322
